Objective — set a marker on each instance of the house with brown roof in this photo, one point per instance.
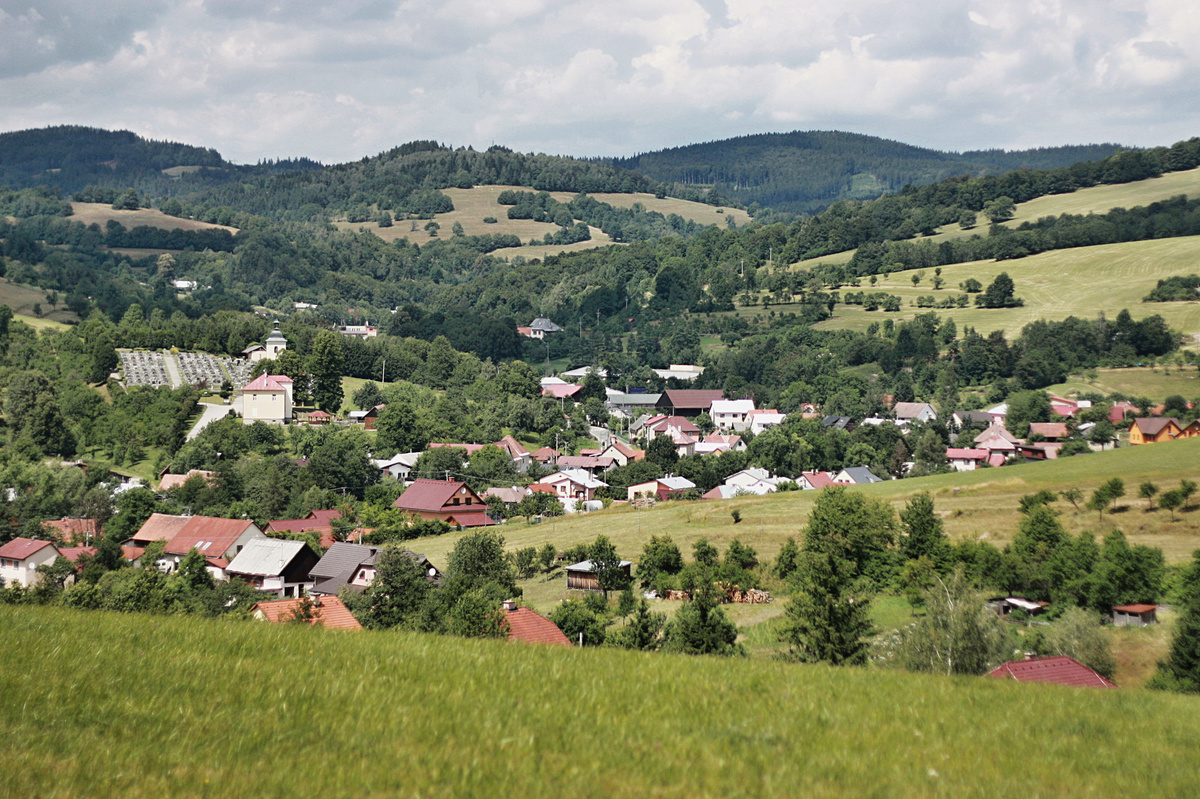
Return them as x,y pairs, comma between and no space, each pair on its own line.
1059,670
20,558
688,401
621,453
1154,429
528,626
327,611
446,501
169,481
1049,431
319,522
1191,431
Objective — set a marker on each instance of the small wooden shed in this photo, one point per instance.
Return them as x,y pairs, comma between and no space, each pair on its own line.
582,576
1134,615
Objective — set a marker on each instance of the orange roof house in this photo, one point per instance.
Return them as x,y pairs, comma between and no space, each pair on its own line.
170,481
74,530
218,540
531,627
1152,430
446,501
328,611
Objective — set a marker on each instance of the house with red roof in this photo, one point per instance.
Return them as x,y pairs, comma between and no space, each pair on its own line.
74,531
966,459
528,626
218,540
319,522
20,558
621,453
1136,615
266,398
327,611
447,501
1059,670
169,481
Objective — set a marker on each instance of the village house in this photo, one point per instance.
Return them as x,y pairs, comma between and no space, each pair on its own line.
274,565
689,402
218,540
353,566
573,484
399,466
663,488
267,398
538,328
762,420
856,475
447,501
73,531
169,481
621,453
20,558
909,412
363,332
814,480
731,414
327,611
528,626
629,405
1154,430
318,522
966,459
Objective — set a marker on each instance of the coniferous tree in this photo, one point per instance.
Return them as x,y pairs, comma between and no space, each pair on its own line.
828,619
1180,671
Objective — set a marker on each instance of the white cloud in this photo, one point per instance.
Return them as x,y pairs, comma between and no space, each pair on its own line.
342,78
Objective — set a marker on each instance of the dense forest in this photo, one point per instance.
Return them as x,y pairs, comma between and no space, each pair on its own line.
805,171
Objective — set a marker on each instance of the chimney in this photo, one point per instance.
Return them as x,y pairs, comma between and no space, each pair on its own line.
510,605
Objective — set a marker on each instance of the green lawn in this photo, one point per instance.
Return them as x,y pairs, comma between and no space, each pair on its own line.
132,706
1157,383
1083,282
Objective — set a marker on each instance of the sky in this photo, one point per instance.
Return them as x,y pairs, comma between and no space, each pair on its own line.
337,80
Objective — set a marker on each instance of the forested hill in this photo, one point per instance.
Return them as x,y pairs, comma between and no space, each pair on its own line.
72,157
805,171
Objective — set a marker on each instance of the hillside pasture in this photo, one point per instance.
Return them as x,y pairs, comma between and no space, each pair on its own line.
1082,282
226,708
21,298
100,214
1157,383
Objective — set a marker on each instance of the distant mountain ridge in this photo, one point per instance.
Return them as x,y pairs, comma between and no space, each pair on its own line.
805,171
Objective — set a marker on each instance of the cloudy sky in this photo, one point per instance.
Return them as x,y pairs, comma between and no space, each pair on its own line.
339,79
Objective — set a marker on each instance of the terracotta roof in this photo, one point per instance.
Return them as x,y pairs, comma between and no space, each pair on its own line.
170,481
1135,608
432,496
1060,670
531,627
561,391
969,453
268,383
329,612
818,479
213,537
1048,429
160,527
514,448
22,548
545,454
72,553
132,553
74,529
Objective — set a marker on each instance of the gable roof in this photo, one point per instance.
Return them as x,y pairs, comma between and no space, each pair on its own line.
266,557
22,548
432,495
268,383
343,557
861,475
170,481
160,527
691,398
329,612
72,529
1060,670
1153,425
211,536
533,628
910,410
1048,429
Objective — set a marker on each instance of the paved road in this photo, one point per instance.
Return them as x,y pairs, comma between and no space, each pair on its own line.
173,374
211,414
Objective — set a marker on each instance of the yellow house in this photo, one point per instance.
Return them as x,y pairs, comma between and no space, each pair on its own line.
1154,429
267,398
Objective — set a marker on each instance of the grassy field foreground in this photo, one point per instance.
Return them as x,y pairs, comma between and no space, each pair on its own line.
108,705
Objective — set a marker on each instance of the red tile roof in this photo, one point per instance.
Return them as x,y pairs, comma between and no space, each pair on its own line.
22,548
72,553
74,529
1048,429
528,626
329,612
1060,670
160,527
430,495
213,537
268,383
561,390
170,481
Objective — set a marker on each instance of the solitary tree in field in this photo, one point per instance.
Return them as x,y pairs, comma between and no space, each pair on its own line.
1171,500
1146,491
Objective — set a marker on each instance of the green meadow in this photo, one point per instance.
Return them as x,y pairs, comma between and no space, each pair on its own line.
111,705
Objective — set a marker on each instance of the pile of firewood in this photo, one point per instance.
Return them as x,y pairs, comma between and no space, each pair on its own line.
729,593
